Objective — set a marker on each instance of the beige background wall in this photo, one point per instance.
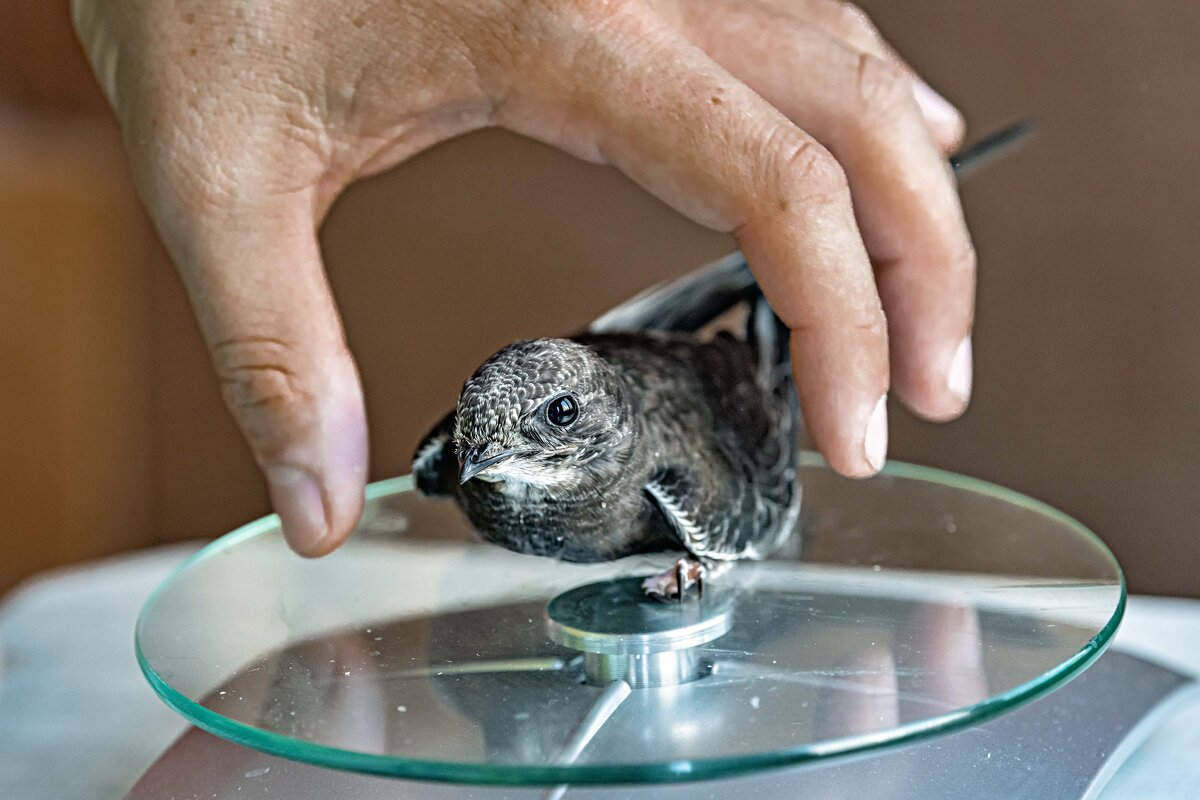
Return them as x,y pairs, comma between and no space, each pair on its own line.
1088,338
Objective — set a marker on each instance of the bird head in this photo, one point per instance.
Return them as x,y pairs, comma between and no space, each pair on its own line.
546,412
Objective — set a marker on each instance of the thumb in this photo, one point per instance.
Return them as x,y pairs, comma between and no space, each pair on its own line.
253,272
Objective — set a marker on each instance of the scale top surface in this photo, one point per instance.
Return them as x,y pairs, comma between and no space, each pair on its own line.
616,617
907,605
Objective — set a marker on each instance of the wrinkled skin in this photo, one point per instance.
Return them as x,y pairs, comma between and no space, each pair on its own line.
789,123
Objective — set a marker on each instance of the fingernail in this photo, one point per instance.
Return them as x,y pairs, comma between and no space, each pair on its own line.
876,439
297,500
961,371
935,107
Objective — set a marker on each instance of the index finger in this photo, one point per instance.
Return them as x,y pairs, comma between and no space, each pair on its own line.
671,118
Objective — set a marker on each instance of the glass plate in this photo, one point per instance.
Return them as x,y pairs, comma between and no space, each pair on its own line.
908,605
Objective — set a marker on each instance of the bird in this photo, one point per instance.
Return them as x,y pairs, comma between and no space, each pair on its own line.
645,432
636,435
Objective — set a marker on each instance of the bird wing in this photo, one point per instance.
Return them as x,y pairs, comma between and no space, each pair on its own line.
678,494
685,304
435,465
758,428
726,523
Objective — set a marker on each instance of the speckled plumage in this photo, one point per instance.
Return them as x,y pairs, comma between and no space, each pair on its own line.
682,442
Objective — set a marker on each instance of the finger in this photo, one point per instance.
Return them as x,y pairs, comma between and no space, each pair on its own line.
848,23
868,699
253,271
642,97
951,646
861,108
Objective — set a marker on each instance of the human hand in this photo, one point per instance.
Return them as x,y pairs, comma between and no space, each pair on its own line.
788,123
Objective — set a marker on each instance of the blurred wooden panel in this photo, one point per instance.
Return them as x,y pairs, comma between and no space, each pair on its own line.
1088,339
41,62
75,444
1088,342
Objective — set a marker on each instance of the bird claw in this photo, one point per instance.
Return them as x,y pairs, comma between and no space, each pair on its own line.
671,585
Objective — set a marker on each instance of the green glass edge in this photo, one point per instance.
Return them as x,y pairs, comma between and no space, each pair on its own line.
600,774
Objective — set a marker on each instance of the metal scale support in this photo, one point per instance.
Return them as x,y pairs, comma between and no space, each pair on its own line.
625,636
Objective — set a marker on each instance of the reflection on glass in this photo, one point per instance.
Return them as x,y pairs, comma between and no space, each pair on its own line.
907,605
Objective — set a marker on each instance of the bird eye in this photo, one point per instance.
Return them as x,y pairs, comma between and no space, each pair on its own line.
562,410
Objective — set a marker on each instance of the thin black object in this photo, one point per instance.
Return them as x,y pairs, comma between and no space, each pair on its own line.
990,147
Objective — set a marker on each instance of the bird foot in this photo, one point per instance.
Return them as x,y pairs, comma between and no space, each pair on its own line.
671,585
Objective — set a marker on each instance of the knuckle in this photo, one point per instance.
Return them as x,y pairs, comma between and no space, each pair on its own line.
595,12
262,378
870,321
803,171
599,33
525,45
851,22
882,88
865,319
549,23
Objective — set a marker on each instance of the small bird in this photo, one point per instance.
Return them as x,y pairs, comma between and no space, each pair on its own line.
639,434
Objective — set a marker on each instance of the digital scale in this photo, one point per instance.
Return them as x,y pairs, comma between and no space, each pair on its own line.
914,640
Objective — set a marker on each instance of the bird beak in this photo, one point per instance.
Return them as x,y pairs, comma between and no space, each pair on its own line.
479,458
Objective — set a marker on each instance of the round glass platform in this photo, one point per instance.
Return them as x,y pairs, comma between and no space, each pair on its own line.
908,605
